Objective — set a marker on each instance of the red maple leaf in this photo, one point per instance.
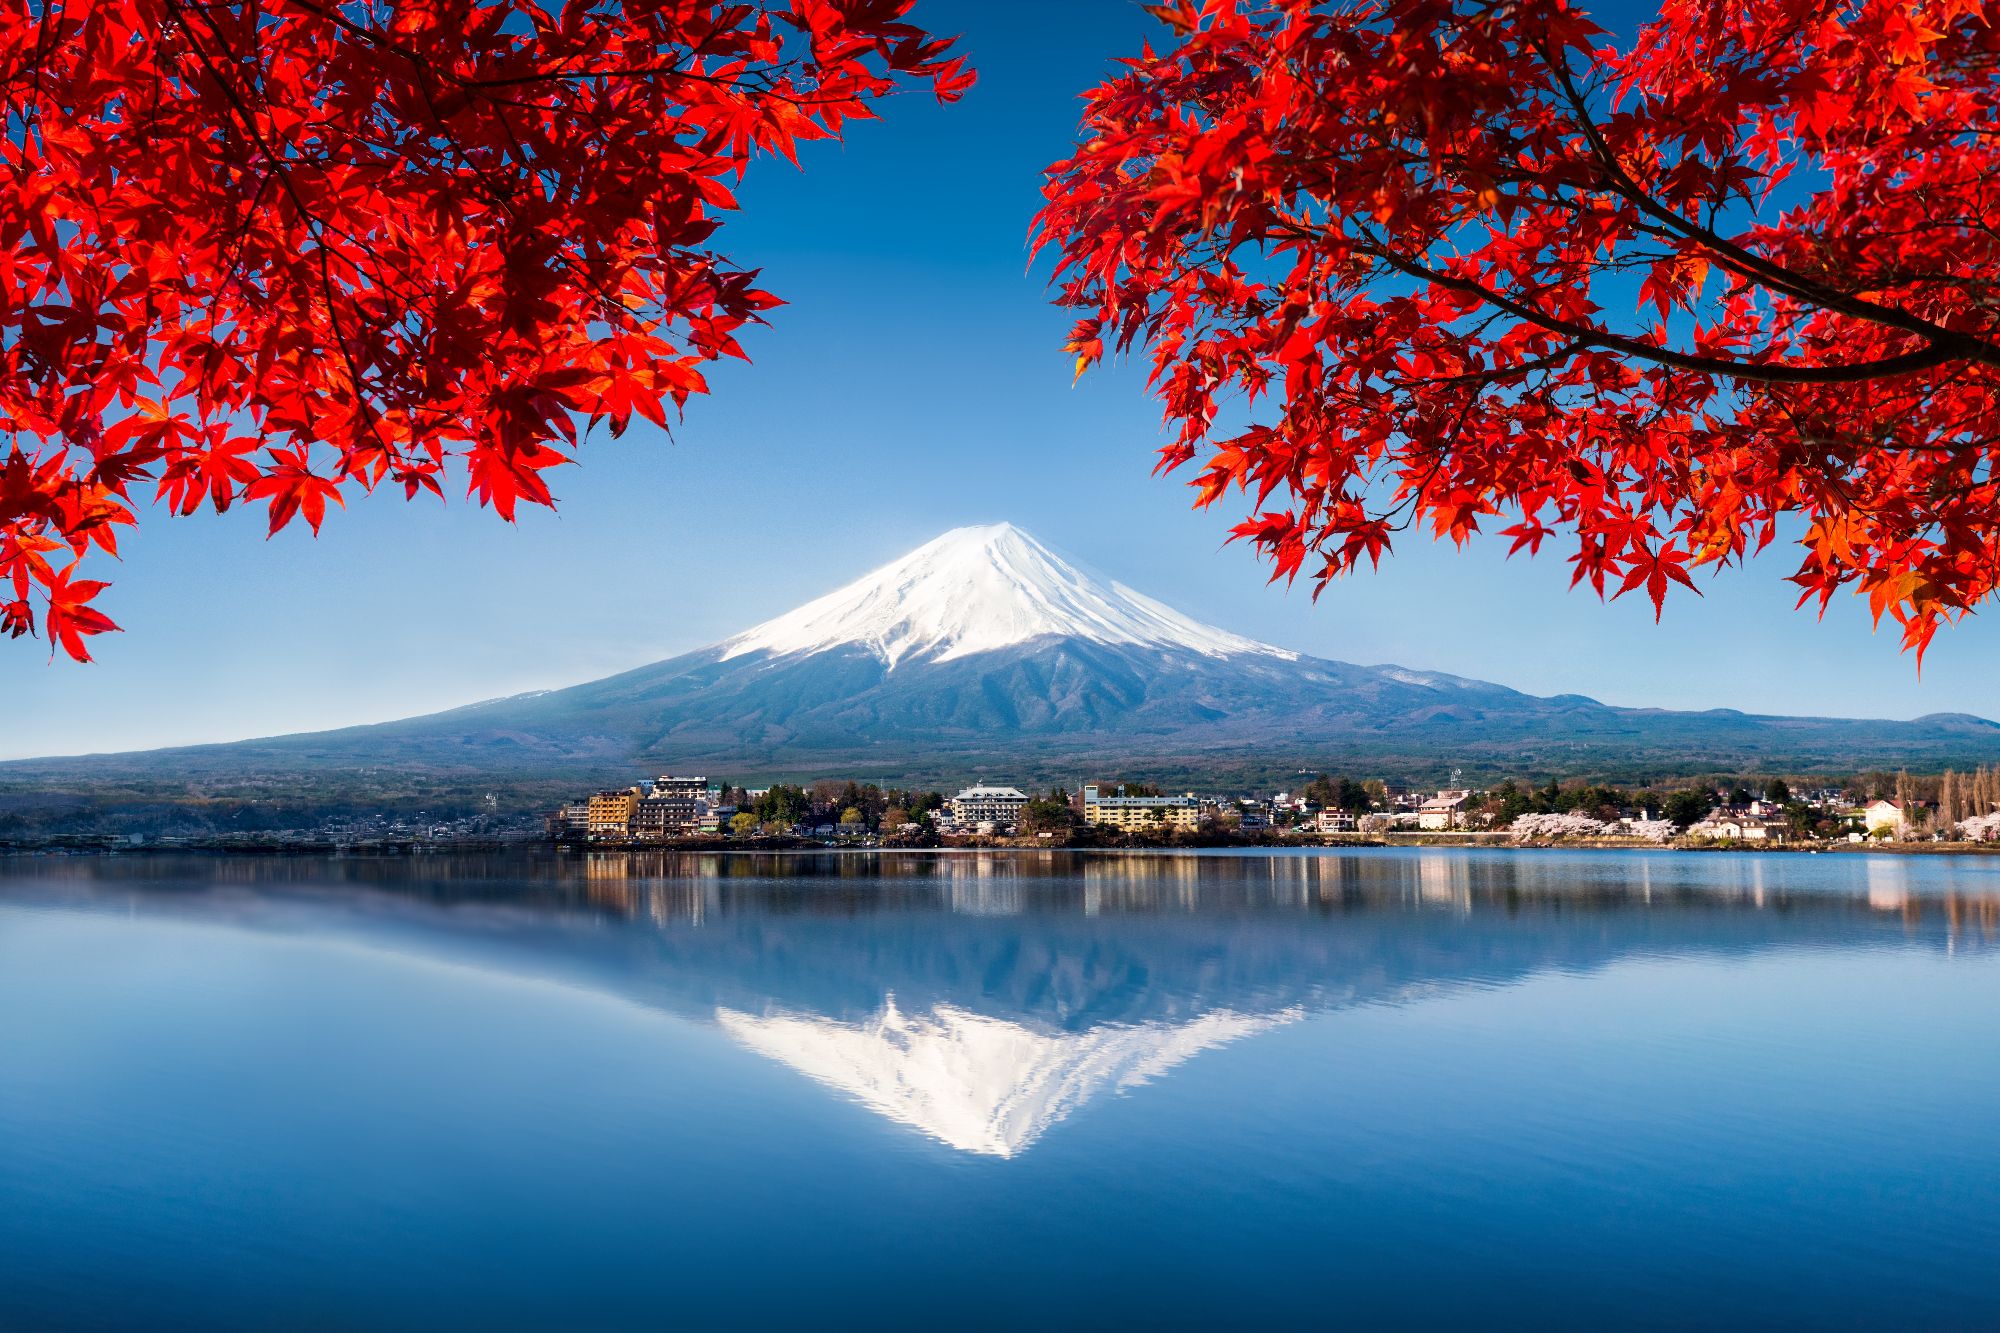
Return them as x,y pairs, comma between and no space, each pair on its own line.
1401,238
381,237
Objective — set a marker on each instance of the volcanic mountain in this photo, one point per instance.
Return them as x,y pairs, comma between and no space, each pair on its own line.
984,652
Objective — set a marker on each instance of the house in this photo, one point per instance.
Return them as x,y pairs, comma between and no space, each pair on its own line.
1884,817
1446,810
1728,825
988,805
1335,821
1140,812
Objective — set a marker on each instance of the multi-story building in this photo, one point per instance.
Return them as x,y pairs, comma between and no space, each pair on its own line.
674,805
668,787
609,813
1446,810
1140,812
654,819
988,805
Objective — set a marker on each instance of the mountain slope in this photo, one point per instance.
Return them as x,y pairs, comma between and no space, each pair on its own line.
984,652
977,590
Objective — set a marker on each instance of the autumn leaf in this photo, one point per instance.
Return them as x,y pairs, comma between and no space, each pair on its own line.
69,619
1407,272
346,245
293,490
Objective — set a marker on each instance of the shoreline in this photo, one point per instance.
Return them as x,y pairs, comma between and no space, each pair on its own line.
416,849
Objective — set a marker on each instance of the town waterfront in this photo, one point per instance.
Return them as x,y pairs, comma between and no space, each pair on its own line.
1431,1087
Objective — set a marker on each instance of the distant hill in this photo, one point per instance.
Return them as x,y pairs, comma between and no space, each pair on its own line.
983,653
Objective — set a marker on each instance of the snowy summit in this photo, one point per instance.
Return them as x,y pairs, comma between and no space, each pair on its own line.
975,590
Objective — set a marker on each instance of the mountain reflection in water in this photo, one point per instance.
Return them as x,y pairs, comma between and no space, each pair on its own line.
983,998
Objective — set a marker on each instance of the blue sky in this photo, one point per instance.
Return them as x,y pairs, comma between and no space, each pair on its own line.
915,383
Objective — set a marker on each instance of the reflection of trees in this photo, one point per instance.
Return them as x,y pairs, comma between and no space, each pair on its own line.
980,996
1079,938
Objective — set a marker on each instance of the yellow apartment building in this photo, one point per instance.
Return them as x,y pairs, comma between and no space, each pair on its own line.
1135,813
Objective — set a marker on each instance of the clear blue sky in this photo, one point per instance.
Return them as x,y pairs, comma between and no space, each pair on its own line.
916,382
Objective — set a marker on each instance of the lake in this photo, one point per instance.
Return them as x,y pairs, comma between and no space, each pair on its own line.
947,1091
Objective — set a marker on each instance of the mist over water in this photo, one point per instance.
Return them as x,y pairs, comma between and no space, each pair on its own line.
1419,1088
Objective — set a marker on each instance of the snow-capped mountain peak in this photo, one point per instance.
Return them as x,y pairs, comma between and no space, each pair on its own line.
978,589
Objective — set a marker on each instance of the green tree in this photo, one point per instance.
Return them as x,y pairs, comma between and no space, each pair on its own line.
1048,814
1777,792
743,824
782,805
1687,806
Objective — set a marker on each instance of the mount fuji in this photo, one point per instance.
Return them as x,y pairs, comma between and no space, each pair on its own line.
984,652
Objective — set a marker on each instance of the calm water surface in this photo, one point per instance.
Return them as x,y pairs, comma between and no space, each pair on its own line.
1409,1089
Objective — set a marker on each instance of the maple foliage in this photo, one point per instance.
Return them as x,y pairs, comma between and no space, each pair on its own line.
283,250
1463,266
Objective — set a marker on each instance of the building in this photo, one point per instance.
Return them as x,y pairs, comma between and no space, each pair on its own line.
1885,817
673,806
1735,826
1336,821
1140,812
655,819
609,813
571,821
1446,810
669,788
988,805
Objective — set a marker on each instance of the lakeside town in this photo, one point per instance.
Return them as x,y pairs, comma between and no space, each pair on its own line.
1872,809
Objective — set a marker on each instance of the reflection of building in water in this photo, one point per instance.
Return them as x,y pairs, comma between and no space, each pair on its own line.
1144,883
979,1084
1888,883
679,901
974,895
986,884
607,883
1444,880
1025,985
